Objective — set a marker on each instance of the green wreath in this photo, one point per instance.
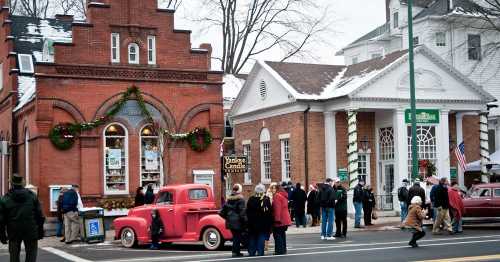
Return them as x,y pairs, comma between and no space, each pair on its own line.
63,136
199,139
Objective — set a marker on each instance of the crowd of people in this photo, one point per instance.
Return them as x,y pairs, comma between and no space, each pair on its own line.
270,212
445,207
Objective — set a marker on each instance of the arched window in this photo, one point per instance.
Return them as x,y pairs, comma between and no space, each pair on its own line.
386,144
151,160
27,156
426,145
133,53
115,159
265,156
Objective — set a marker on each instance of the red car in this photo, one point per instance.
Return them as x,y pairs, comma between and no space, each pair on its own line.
188,212
483,202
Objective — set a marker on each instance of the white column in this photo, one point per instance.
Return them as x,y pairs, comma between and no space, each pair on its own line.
485,153
400,153
352,151
444,145
460,139
330,145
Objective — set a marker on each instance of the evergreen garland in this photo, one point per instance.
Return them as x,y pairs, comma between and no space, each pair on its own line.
63,135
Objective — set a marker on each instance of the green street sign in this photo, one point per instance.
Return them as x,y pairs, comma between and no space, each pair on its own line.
424,116
453,173
343,174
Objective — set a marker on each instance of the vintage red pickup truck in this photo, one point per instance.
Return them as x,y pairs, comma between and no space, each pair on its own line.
188,212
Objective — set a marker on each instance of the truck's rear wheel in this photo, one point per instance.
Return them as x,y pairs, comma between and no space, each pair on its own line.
128,238
212,239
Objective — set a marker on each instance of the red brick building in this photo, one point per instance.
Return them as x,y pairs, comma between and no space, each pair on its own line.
305,122
59,70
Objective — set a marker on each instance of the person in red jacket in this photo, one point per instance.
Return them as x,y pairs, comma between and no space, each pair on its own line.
281,219
457,208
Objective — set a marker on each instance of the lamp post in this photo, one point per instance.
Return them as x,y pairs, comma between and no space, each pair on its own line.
414,152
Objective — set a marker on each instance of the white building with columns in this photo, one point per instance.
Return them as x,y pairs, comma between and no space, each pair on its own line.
352,121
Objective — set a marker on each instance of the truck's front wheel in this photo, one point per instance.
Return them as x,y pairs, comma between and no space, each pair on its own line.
128,238
212,239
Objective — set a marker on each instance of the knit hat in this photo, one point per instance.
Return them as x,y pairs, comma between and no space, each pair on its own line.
17,180
260,189
237,188
416,200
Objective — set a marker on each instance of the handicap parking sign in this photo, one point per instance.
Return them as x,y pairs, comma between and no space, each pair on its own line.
93,227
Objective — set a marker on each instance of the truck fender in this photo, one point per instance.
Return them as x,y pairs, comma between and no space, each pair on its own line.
138,224
215,221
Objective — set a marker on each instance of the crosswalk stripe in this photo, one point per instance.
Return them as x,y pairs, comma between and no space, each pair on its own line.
65,255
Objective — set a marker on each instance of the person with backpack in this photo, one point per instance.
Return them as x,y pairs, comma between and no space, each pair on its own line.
403,199
260,220
326,199
236,218
156,229
340,209
71,218
358,199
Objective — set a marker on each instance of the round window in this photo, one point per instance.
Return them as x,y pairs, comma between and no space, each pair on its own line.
263,90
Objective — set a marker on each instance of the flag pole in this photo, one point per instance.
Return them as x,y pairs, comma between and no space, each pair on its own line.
414,151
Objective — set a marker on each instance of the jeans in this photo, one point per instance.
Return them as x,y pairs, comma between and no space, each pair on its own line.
357,215
456,223
60,229
341,222
256,242
300,220
279,234
327,218
236,241
30,246
404,210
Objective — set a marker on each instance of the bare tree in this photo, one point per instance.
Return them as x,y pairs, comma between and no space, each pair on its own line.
33,8
170,4
73,7
12,5
254,27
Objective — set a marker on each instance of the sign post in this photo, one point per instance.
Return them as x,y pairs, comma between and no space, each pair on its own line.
413,103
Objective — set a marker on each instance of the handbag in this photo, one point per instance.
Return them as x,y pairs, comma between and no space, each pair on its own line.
374,215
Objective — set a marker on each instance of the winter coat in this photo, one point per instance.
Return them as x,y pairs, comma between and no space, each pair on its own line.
442,199
149,198
234,212
70,201
312,205
299,198
358,195
403,194
341,195
416,190
326,196
21,214
280,210
156,228
60,214
456,202
369,199
259,214
415,217
140,200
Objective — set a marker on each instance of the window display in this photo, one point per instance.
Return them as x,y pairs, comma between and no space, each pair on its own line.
115,160
151,166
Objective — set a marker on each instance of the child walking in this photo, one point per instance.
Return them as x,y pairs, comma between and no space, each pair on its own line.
156,229
414,220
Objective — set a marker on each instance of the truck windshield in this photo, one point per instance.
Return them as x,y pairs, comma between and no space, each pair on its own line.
165,198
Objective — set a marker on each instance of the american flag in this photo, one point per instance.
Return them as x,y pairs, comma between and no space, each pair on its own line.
460,153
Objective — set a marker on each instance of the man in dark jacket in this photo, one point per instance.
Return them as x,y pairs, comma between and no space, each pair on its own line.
21,215
326,199
235,215
71,219
299,198
442,205
260,220
403,199
340,209
357,199
416,190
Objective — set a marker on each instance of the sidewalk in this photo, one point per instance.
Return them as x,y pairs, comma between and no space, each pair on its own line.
381,224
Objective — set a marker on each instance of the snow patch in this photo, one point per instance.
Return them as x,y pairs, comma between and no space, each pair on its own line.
26,89
46,30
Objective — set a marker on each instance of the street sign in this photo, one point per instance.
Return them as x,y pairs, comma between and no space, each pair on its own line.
424,116
453,173
235,164
343,174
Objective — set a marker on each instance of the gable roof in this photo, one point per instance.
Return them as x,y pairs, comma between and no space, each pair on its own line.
372,34
441,7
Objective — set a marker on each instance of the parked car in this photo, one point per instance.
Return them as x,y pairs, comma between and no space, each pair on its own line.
484,202
188,212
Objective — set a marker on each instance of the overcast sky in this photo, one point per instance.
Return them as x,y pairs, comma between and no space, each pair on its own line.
353,18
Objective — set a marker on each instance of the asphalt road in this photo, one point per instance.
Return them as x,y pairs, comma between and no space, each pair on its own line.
476,244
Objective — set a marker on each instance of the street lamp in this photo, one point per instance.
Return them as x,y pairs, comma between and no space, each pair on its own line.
365,144
414,153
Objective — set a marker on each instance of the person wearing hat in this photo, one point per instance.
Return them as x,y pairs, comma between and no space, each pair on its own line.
236,218
340,209
21,220
260,220
403,199
416,190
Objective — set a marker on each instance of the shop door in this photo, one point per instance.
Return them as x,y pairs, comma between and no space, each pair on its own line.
388,186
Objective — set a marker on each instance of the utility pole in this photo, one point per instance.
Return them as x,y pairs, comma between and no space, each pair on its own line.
414,151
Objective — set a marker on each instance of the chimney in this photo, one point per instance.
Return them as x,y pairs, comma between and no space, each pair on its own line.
209,48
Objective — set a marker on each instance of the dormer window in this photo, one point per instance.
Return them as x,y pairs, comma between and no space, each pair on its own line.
133,53
25,63
115,48
151,50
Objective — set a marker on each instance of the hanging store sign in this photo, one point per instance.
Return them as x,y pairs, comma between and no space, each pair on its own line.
235,164
424,116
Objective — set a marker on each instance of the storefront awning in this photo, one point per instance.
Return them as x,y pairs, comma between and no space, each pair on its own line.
476,165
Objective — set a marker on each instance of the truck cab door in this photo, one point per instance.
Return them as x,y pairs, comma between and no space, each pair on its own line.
165,206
